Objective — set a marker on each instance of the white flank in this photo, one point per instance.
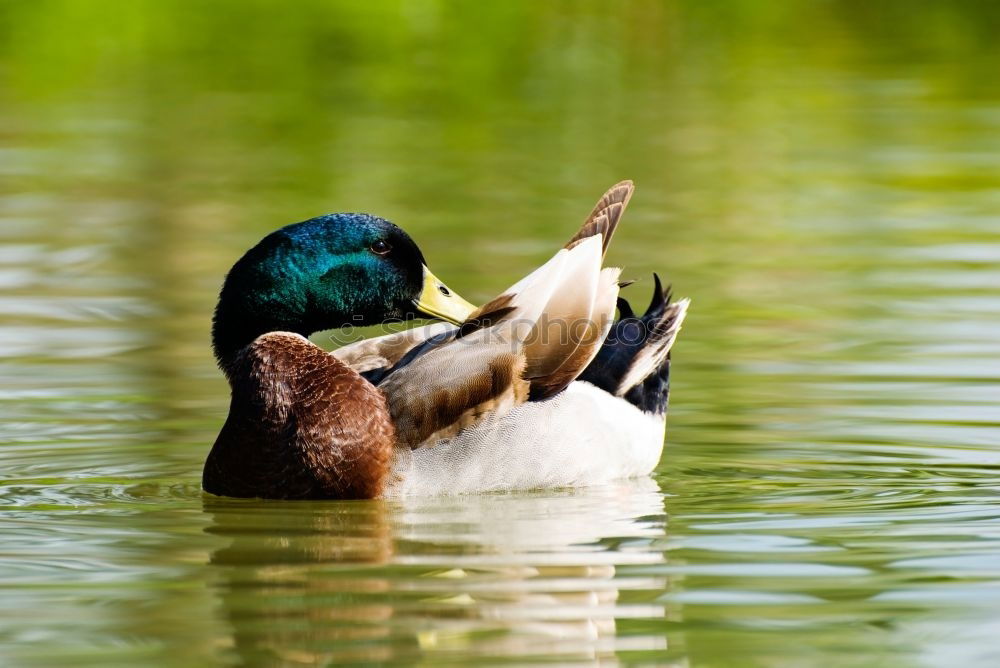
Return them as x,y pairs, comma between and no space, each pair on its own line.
583,436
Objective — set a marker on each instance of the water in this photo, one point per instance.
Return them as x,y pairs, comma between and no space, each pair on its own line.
822,179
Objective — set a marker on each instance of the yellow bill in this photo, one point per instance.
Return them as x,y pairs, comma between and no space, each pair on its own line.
439,301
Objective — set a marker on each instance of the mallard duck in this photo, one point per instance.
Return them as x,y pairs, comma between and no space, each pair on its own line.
539,387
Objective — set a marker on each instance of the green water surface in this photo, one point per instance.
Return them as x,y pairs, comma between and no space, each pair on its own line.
821,178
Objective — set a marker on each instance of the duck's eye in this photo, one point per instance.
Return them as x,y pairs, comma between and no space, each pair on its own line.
381,247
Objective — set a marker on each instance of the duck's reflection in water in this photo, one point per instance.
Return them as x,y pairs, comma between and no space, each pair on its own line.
502,576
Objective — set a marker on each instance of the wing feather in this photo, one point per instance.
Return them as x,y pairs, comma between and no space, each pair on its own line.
607,213
589,335
385,351
528,343
457,384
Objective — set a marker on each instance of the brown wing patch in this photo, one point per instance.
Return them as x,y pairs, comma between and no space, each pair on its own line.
449,395
301,425
606,215
590,334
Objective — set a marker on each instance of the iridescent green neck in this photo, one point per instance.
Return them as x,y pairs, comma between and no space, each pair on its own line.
289,294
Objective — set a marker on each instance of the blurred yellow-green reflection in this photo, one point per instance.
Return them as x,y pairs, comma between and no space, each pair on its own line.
821,178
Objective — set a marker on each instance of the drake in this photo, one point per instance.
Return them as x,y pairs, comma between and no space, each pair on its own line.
539,387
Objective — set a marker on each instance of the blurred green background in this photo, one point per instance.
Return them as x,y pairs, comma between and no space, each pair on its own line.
822,178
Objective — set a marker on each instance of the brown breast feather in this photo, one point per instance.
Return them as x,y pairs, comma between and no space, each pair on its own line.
301,425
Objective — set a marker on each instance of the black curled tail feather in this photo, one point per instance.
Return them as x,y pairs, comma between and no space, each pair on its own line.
634,362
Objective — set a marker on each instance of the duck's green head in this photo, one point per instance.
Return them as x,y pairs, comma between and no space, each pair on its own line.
331,271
